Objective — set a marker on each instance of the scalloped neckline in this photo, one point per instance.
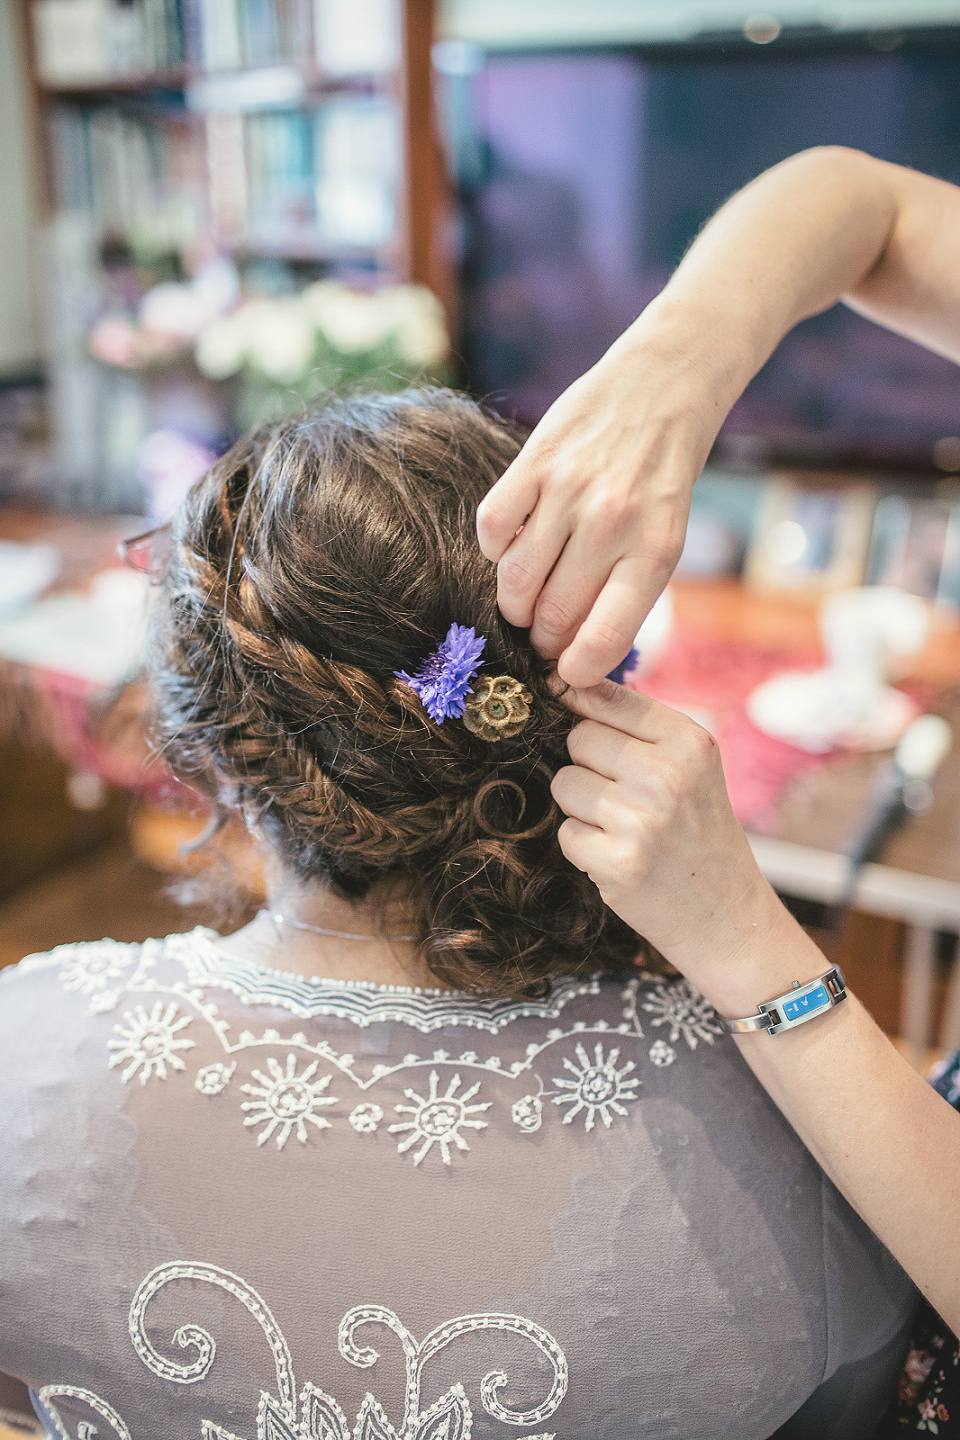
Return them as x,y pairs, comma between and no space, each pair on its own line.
212,937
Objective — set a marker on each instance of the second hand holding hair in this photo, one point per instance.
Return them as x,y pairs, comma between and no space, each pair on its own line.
650,822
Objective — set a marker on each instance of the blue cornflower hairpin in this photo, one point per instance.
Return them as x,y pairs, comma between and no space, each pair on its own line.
443,680
620,672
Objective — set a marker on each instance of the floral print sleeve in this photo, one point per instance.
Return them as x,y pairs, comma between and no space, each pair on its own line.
928,1398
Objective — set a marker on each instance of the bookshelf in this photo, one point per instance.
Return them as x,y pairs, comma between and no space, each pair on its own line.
258,146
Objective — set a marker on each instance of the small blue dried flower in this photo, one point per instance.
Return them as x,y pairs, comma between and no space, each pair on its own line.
443,680
620,672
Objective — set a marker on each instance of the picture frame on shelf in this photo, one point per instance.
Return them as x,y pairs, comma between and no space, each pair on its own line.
915,546
812,533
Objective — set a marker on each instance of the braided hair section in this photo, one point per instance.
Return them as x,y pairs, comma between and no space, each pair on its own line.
316,559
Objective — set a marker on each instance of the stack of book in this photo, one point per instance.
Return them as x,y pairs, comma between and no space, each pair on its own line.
88,42
296,155
264,131
136,177
314,183
340,37
81,42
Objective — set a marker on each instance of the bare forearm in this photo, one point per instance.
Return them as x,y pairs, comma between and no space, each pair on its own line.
823,226
650,822
790,244
885,1138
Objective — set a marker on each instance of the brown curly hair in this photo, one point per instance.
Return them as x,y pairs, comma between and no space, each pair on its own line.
316,559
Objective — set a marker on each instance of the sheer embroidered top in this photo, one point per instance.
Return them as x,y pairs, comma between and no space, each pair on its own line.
237,1204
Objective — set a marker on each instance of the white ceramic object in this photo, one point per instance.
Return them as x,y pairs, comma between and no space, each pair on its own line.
100,636
873,627
868,633
818,710
25,571
653,634
924,746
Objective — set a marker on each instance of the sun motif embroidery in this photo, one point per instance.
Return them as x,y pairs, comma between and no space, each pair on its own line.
89,969
684,1009
150,1042
282,1101
286,1101
438,1119
598,1086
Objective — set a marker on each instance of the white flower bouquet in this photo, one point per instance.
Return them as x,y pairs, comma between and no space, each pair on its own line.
170,316
286,350
290,348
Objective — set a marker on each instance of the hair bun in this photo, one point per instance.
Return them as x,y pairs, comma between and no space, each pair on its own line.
316,563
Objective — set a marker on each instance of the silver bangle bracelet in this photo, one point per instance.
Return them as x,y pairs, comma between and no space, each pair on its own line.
802,1003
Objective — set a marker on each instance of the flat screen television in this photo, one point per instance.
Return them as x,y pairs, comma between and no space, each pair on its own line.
584,175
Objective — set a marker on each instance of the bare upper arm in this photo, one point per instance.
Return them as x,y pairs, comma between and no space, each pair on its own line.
915,286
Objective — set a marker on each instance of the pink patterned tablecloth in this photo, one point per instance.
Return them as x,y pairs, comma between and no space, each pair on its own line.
710,678
90,728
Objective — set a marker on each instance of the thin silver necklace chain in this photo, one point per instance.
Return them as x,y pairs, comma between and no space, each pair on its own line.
279,920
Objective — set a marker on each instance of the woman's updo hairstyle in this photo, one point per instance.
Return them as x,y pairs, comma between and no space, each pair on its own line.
316,559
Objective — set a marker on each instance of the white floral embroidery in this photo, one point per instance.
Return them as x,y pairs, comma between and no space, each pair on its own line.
438,1119
104,1001
631,1015
287,1101
213,1079
311,1413
365,1118
283,1101
89,969
598,1086
528,1113
677,1004
150,1042
662,1054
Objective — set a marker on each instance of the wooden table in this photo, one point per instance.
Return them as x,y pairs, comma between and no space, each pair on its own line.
87,543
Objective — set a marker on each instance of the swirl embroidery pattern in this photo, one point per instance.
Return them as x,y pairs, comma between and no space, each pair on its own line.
310,1413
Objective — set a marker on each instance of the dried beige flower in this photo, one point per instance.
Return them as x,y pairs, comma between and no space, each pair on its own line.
498,709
